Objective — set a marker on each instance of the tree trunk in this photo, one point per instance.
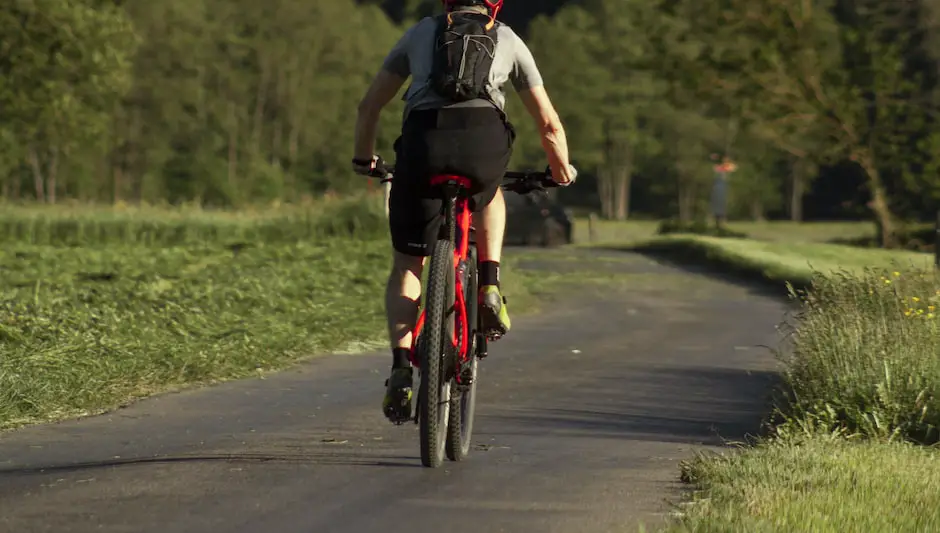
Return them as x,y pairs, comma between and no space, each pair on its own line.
610,204
623,193
38,179
879,205
883,217
757,210
686,199
277,137
52,176
116,159
292,149
232,145
261,98
118,176
796,193
135,157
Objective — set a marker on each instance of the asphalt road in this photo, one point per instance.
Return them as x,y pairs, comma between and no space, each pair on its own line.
584,413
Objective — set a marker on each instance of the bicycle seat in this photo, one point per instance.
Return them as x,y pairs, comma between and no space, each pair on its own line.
456,184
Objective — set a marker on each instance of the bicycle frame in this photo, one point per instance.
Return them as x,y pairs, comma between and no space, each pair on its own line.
456,227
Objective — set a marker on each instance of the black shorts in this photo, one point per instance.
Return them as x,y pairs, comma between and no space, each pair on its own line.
474,142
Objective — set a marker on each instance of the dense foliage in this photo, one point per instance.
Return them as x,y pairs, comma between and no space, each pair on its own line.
234,102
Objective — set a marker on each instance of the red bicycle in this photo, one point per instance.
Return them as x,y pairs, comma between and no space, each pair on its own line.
449,339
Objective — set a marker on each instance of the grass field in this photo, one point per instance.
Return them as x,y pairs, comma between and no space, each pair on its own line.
83,329
99,307
630,232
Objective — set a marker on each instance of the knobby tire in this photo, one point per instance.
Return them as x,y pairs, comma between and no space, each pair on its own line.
439,303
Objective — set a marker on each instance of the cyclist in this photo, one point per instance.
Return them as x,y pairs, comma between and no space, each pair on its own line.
440,135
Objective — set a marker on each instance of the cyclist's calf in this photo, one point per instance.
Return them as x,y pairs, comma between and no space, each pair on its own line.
491,229
402,296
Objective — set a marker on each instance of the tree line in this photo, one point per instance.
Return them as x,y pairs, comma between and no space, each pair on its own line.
230,102
221,102
789,89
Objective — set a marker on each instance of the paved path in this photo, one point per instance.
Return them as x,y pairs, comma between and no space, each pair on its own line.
584,413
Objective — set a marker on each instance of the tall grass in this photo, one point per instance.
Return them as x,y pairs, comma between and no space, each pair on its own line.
862,391
866,355
361,217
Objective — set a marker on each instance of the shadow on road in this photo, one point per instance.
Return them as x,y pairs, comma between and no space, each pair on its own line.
701,265
325,459
712,406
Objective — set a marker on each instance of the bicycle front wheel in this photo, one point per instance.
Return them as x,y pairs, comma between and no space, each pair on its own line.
434,394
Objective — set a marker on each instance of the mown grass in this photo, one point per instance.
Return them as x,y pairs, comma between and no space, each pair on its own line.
859,401
819,484
607,232
86,329
779,261
99,307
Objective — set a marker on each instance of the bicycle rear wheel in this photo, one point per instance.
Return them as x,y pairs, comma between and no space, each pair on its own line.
434,392
464,397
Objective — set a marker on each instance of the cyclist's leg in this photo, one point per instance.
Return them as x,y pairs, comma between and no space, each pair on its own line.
413,222
409,231
489,149
402,297
492,228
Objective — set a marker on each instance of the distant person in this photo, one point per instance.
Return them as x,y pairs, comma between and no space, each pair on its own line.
719,199
443,134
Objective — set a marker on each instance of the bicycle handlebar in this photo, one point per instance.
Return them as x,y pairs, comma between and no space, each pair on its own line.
513,181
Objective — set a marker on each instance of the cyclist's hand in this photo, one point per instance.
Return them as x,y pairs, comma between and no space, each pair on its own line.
368,167
572,173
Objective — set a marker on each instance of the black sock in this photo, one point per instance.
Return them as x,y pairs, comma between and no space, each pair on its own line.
489,273
400,358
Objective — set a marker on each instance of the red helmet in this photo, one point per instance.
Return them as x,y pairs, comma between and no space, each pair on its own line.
493,5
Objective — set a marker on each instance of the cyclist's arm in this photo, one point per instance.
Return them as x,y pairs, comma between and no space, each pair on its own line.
396,68
384,87
528,82
551,130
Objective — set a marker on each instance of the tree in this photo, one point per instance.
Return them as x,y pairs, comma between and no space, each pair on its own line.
66,62
611,101
834,72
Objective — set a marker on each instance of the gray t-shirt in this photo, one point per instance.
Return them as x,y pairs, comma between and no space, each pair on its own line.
413,56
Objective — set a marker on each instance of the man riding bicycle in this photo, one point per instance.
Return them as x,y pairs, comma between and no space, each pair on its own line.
441,134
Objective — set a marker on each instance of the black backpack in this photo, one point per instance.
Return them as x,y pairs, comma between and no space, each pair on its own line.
464,49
